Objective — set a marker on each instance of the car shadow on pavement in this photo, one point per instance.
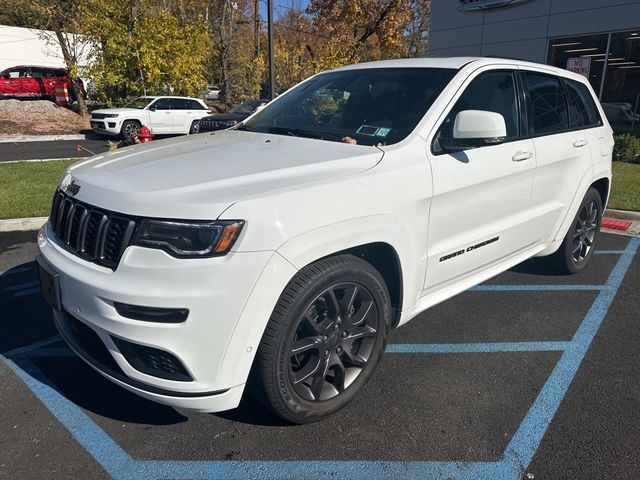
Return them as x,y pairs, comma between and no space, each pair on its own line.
252,412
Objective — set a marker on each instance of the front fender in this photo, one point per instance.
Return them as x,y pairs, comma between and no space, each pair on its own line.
294,255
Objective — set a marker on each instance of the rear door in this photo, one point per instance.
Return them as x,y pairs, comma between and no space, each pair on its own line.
482,197
563,153
161,115
182,115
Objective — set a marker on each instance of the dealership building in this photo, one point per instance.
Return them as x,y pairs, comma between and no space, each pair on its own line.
599,39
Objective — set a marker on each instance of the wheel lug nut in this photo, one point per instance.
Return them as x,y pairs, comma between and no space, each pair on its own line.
326,353
336,326
344,334
339,349
324,339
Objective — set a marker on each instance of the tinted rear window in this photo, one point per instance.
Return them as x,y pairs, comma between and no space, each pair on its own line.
546,106
583,112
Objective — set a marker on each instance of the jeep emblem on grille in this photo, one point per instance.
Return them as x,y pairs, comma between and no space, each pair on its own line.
73,188
68,185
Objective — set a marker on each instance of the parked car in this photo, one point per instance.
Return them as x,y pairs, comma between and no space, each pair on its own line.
279,253
163,115
212,92
25,81
235,116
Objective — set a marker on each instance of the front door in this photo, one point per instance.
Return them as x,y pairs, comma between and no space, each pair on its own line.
482,196
160,116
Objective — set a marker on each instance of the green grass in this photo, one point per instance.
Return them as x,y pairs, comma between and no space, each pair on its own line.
625,190
26,188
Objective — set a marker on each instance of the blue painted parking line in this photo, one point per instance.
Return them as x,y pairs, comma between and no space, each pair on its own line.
608,252
535,288
477,347
512,465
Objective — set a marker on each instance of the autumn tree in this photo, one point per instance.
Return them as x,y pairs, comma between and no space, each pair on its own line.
146,47
360,30
417,36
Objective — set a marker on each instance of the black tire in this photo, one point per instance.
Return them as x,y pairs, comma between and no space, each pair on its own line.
307,313
129,129
577,247
195,127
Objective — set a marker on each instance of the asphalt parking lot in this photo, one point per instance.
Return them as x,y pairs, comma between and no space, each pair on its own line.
527,376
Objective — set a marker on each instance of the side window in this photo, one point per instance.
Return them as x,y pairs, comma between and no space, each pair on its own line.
36,73
583,112
163,104
546,106
493,91
193,105
178,104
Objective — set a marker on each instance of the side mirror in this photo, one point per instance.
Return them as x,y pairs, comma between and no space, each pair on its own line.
152,108
476,128
7,76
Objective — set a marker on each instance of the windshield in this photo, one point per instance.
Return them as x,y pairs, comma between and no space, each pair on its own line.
139,103
246,107
365,106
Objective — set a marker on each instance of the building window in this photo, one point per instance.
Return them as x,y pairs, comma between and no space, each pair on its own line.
592,47
621,90
613,70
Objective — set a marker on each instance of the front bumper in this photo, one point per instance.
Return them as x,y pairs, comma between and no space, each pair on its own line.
207,343
107,126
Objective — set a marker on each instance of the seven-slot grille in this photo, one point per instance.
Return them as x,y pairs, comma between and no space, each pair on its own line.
96,235
98,116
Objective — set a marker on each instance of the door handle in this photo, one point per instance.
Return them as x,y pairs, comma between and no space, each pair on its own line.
579,143
522,156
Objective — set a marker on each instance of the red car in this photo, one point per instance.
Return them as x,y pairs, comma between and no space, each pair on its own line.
34,82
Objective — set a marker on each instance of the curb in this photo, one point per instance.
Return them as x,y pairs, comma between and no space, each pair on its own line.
40,138
37,160
622,215
22,224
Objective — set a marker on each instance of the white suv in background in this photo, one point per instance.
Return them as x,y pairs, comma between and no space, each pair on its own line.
163,115
279,253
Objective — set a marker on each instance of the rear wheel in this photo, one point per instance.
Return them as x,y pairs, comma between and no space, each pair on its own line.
576,249
324,339
195,127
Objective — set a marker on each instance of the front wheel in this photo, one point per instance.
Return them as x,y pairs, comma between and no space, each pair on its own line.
130,129
195,127
576,249
324,339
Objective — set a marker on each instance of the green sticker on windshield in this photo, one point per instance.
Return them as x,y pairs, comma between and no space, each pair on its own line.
373,131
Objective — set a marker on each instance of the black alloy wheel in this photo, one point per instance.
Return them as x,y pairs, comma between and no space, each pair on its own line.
577,247
334,339
324,339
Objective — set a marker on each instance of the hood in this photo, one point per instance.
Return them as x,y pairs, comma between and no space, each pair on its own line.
200,176
116,110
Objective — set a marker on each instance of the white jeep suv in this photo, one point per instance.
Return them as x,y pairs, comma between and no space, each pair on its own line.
278,254
163,115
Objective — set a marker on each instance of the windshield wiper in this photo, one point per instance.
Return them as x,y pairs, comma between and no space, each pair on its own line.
301,132
245,128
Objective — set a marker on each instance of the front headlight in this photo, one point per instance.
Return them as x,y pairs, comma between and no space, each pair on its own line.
186,239
111,115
